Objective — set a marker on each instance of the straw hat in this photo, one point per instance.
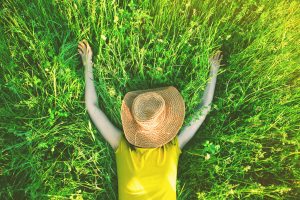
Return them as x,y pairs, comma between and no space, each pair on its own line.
152,117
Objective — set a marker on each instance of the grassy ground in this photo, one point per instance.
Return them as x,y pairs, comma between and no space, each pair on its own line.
50,149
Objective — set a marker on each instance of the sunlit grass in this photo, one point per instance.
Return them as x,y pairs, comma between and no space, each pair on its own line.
50,148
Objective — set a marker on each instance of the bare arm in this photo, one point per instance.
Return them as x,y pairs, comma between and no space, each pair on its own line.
90,91
91,98
103,124
188,132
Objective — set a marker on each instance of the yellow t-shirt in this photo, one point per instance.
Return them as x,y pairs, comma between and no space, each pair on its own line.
147,173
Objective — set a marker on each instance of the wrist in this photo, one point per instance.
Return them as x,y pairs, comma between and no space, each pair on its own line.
88,66
215,68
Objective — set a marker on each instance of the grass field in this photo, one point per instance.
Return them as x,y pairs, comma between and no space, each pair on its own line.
51,150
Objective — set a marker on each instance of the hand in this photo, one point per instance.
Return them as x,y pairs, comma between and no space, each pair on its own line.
215,62
85,52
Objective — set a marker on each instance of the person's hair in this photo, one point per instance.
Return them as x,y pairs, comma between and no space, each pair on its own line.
132,147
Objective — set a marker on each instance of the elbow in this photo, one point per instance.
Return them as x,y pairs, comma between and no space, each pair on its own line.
205,108
89,106
208,105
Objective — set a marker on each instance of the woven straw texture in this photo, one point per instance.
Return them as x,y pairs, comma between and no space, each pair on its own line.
152,117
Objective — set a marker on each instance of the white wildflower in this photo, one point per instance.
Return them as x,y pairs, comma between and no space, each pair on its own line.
116,19
207,157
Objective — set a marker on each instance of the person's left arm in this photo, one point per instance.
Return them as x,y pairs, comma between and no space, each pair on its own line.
189,131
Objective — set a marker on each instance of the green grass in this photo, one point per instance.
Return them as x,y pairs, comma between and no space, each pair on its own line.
51,150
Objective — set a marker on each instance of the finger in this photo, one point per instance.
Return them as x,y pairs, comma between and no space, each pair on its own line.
81,44
220,59
89,49
82,48
87,44
80,52
213,58
217,54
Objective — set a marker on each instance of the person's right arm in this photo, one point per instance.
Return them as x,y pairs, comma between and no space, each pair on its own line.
111,133
103,124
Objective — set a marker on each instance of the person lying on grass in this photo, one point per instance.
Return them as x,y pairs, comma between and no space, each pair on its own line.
147,150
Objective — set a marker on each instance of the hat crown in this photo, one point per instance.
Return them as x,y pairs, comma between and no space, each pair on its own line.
148,110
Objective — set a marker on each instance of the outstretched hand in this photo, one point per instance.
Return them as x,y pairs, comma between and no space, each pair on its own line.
215,61
85,51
